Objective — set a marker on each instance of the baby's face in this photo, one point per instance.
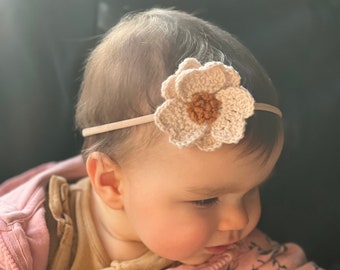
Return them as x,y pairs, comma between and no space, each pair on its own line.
187,205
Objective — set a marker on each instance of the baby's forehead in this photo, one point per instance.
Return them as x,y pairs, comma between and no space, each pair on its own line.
152,148
161,151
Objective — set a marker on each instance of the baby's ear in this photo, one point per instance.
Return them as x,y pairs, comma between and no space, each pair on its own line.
106,178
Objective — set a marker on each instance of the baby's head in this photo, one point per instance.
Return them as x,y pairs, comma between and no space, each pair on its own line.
183,196
123,77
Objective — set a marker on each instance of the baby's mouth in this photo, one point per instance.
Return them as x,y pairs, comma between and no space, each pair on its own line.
217,250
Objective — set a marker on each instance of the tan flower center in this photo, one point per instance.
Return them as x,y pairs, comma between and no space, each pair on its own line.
203,108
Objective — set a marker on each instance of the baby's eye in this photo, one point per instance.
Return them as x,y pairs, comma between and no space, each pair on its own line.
206,202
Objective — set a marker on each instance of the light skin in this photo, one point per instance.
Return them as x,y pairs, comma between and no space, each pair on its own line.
183,204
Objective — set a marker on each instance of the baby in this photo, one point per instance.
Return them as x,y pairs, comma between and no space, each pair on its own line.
181,128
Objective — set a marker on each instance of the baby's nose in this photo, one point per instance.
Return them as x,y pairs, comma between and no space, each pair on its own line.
233,217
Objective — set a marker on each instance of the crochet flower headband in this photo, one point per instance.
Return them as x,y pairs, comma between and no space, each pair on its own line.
204,106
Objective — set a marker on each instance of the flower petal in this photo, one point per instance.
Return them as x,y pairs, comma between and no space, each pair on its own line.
172,118
237,106
168,86
236,100
232,77
227,131
208,79
208,143
188,63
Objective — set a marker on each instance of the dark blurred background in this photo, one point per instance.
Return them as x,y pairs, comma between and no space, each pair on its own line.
43,44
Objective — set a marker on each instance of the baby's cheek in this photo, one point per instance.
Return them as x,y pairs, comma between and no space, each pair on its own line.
178,242
254,212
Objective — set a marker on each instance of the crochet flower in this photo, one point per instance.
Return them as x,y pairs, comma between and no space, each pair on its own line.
204,105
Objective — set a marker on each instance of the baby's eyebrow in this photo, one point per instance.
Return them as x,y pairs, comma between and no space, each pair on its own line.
215,191
207,191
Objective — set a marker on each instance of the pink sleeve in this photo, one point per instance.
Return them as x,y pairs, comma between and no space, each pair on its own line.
23,177
24,237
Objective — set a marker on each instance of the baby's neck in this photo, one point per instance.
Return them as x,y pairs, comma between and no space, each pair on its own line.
111,226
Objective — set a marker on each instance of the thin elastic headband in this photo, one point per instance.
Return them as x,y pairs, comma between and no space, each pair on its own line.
204,106
151,118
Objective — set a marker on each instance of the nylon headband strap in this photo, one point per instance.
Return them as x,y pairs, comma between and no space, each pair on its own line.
150,118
